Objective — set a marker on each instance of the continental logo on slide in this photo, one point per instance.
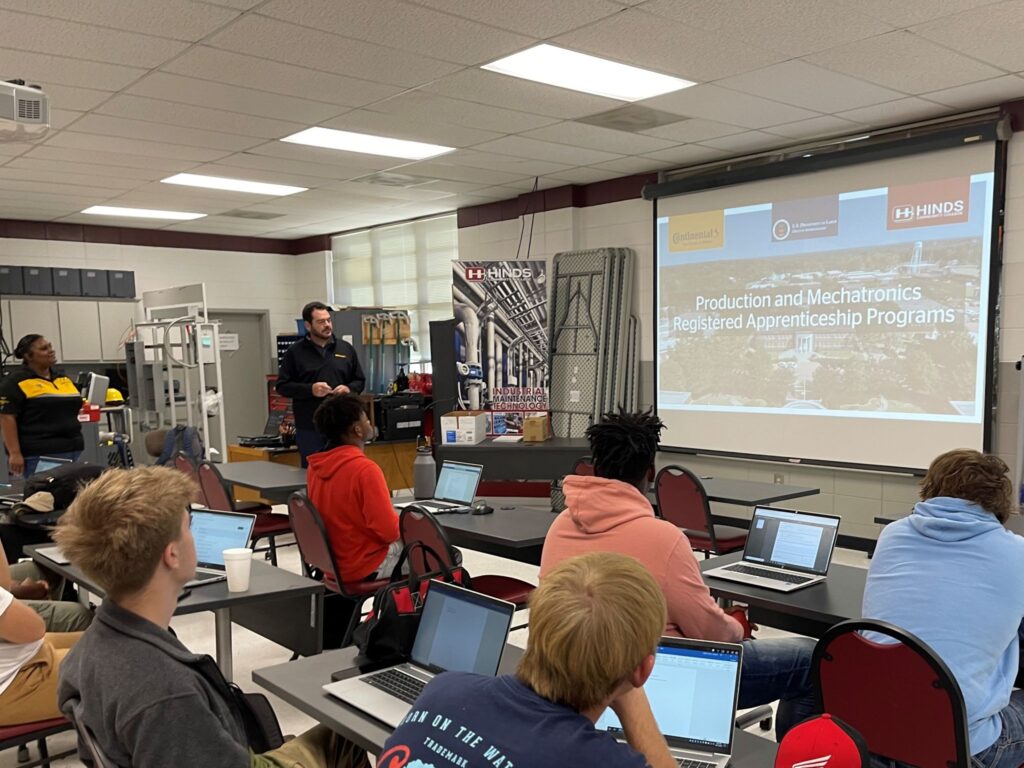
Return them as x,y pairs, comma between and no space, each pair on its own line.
929,203
696,231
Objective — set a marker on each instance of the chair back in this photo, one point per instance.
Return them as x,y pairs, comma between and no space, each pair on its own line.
900,696
87,739
417,524
584,466
187,467
311,538
216,493
683,501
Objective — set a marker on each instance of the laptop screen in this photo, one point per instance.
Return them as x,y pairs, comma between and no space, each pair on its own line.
46,463
461,631
458,482
693,692
216,531
798,541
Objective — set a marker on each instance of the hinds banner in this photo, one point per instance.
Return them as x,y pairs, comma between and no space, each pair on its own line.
501,339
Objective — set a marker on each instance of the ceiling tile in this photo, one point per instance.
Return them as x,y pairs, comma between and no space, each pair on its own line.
805,85
66,177
84,41
732,107
343,162
667,46
421,105
580,176
988,93
249,101
108,125
750,141
905,62
788,27
55,188
895,112
401,127
113,160
907,12
443,169
514,93
48,70
241,5
691,154
828,125
62,118
308,167
518,167
991,34
264,75
564,154
382,192
409,27
595,137
228,169
694,129
75,98
90,142
177,19
537,18
631,165
190,116
331,53
97,171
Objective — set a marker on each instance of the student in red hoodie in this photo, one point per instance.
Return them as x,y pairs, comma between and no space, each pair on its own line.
610,513
350,492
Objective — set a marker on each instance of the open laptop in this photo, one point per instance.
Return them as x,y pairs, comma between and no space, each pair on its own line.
460,630
214,532
785,550
456,488
693,692
46,463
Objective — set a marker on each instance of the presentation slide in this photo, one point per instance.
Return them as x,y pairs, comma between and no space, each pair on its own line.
840,315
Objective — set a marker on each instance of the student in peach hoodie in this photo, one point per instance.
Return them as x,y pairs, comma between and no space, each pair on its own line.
610,512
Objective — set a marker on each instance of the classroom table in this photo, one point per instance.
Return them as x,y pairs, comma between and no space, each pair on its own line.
283,607
272,480
300,684
514,531
808,611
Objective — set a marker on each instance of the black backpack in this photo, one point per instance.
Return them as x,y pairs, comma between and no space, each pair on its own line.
64,482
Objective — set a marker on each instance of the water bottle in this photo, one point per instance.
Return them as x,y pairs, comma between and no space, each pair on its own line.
424,472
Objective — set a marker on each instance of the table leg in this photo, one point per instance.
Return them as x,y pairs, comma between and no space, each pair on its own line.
222,633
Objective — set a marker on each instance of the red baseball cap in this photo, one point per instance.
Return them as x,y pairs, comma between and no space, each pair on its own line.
822,742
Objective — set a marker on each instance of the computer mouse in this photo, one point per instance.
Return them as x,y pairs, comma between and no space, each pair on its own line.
482,508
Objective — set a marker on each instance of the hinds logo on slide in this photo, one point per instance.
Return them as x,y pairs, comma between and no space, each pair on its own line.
929,203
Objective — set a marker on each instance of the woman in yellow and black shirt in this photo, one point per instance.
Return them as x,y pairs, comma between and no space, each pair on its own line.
38,409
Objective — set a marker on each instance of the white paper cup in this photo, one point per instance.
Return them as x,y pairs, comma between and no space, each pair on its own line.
238,565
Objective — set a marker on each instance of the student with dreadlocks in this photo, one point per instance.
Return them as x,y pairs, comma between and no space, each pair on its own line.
610,513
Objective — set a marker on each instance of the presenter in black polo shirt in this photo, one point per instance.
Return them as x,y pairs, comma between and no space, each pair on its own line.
39,408
313,368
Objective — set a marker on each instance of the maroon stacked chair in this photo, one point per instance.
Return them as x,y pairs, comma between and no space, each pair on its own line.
320,559
584,466
900,696
418,524
188,468
683,501
267,526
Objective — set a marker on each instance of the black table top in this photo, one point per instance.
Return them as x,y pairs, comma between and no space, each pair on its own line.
750,493
265,581
514,526
263,476
836,599
300,683
578,445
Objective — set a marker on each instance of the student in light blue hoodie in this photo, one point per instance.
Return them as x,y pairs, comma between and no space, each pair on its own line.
951,574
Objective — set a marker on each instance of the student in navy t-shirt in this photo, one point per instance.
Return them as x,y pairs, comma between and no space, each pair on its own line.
595,621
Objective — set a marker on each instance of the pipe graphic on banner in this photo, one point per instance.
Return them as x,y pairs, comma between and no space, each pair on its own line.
501,339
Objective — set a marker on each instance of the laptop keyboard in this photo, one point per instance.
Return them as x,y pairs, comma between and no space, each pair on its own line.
398,684
688,763
788,578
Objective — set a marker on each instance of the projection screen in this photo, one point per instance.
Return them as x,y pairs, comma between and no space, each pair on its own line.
839,316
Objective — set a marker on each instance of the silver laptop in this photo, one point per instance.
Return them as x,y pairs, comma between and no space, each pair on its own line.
213,533
785,550
46,463
460,630
693,692
456,488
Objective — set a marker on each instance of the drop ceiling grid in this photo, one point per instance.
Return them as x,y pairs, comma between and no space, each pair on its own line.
175,85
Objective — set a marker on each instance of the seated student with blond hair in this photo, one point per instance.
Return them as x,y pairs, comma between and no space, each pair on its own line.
951,574
29,658
147,699
595,622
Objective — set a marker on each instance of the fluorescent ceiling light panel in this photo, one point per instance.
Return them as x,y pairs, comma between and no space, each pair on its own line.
142,213
366,143
232,185
579,72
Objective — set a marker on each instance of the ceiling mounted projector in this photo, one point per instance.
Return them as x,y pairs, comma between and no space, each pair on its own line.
24,111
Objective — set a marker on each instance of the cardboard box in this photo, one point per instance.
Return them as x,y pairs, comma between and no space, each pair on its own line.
464,427
536,429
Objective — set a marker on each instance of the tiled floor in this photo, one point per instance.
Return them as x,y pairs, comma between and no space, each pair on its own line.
252,651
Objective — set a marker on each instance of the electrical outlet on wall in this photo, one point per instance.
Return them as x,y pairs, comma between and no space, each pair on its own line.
779,478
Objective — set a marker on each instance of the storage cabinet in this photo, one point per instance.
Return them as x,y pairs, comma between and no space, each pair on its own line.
82,331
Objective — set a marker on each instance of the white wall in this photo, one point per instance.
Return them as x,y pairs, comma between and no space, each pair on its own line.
857,496
279,283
